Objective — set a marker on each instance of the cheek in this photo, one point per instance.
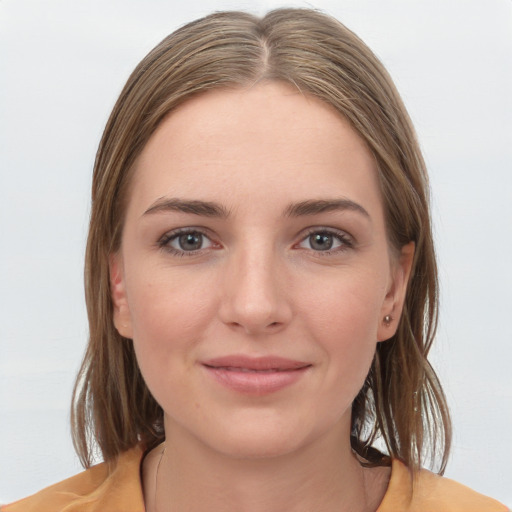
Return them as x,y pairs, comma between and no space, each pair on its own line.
162,300
346,308
169,318
343,318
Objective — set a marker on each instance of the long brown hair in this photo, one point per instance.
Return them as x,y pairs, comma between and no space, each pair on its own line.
401,402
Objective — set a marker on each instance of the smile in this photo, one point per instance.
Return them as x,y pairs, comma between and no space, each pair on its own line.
255,376
249,370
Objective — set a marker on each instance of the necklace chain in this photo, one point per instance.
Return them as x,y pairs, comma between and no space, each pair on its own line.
156,477
364,482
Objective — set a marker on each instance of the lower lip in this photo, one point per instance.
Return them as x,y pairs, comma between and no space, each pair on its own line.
256,382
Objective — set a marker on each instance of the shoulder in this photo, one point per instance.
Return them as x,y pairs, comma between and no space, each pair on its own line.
433,493
105,488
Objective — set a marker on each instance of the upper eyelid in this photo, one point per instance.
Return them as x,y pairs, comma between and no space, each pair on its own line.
188,229
324,229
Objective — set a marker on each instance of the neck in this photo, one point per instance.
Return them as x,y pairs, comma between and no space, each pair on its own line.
323,476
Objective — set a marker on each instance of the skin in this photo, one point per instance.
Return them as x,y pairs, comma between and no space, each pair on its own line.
258,285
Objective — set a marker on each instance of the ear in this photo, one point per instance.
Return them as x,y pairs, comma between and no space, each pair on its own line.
395,296
122,318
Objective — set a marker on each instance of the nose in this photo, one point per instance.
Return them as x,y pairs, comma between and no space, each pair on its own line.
255,298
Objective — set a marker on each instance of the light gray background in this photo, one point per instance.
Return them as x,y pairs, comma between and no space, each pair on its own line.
62,65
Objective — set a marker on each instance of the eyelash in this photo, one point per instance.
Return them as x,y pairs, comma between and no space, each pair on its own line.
164,242
346,241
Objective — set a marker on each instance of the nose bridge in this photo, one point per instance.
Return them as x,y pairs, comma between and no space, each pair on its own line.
254,298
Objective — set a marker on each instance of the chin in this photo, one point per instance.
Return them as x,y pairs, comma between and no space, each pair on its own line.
265,438
257,447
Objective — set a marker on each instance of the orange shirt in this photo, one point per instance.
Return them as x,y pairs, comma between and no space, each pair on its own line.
95,490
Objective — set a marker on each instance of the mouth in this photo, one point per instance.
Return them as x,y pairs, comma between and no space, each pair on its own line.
251,370
255,376
257,364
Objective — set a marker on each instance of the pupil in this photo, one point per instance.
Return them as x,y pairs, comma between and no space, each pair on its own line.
321,241
191,241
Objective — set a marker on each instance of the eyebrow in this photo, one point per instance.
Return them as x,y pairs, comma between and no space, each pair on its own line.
314,207
203,208
215,210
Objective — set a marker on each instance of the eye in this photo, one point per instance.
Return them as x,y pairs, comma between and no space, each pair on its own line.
326,241
185,241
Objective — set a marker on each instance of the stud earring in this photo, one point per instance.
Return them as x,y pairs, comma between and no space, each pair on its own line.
387,319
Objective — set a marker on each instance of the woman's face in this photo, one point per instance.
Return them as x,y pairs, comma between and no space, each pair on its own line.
254,271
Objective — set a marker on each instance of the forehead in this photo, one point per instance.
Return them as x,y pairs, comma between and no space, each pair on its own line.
246,144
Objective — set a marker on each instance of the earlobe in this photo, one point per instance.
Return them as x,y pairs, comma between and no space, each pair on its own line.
395,298
122,318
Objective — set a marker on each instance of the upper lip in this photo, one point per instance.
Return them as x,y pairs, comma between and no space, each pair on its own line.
255,363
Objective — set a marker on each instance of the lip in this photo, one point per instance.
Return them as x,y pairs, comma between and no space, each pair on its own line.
255,375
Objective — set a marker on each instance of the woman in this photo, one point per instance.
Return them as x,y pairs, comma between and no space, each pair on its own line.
261,285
